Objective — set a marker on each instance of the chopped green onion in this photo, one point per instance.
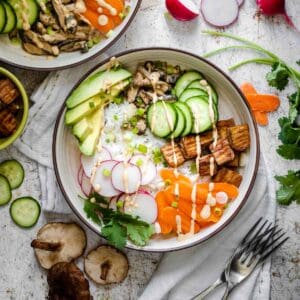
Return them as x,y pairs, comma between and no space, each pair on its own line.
116,117
96,40
142,148
168,182
218,211
157,156
50,30
135,130
16,41
140,112
139,162
110,33
119,204
92,104
170,69
106,172
90,44
118,99
193,168
174,204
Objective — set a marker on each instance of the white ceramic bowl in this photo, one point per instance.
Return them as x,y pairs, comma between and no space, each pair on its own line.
15,55
66,155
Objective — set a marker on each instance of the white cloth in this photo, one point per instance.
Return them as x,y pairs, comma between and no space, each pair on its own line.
182,274
36,141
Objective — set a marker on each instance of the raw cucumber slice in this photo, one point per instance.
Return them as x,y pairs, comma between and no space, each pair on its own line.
13,171
161,118
2,17
11,18
188,117
5,191
184,80
180,124
28,8
197,85
25,211
200,111
189,93
96,83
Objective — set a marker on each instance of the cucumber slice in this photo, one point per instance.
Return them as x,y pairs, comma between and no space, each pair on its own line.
29,7
11,18
2,17
200,111
189,93
180,124
184,80
25,212
13,171
188,117
158,115
197,85
5,191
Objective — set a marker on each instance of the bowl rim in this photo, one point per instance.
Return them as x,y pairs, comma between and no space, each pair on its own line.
10,139
257,158
98,53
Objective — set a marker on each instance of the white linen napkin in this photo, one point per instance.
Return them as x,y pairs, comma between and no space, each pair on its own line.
36,140
182,274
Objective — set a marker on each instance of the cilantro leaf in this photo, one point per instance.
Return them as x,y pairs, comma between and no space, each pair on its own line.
139,234
289,151
294,110
91,210
288,134
298,62
115,233
289,189
279,76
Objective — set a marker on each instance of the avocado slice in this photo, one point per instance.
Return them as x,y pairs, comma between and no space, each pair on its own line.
116,89
82,129
77,113
96,120
96,83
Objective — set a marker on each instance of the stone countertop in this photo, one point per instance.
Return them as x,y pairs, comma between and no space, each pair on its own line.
20,276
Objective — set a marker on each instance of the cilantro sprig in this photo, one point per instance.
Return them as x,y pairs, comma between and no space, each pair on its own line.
117,226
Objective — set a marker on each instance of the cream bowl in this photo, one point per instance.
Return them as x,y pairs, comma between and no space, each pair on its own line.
16,56
232,103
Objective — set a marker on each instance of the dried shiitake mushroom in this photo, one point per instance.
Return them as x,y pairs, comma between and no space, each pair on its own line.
67,282
59,242
106,265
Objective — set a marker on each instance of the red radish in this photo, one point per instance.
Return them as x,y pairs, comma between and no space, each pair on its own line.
86,186
102,180
271,7
146,166
220,13
182,10
126,177
88,162
292,9
240,2
142,205
79,175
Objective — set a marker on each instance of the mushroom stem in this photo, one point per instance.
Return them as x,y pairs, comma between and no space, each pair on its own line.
45,245
105,266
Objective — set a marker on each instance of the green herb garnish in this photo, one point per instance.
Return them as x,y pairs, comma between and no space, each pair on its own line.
193,168
157,156
106,172
142,148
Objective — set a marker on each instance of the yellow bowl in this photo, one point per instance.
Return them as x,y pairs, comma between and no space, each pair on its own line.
5,142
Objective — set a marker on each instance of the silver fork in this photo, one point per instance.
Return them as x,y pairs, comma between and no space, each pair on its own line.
258,244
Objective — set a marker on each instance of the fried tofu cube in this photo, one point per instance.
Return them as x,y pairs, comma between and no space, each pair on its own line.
239,137
172,154
207,165
222,152
189,144
235,162
223,126
8,123
229,176
8,91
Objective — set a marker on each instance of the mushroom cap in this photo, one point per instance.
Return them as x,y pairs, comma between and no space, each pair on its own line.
67,282
71,237
116,261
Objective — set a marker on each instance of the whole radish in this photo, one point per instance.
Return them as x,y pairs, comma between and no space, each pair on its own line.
271,7
182,10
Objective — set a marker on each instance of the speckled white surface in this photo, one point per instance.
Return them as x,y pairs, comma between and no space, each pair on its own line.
20,276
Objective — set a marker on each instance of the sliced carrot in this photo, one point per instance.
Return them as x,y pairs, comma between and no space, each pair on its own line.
118,5
169,175
211,220
261,118
93,16
263,102
231,190
117,20
248,88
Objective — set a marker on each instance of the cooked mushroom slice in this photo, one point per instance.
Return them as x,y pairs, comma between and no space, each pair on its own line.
67,282
147,97
59,242
40,27
132,94
71,46
33,49
141,126
49,20
106,265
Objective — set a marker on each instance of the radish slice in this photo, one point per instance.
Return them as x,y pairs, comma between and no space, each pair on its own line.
102,180
292,9
113,203
182,10
240,2
79,175
89,162
142,205
220,13
126,177
271,7
146,166
86,186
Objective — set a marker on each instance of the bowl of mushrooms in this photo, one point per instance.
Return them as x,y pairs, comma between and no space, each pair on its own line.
13,108
57,34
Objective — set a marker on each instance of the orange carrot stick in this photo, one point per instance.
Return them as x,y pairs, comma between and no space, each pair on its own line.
263,102
93,17
248,88
169,175
261,118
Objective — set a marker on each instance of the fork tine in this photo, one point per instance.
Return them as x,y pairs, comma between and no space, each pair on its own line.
268,245
250,231
266,255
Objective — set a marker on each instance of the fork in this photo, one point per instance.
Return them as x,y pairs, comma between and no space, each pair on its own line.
257,245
